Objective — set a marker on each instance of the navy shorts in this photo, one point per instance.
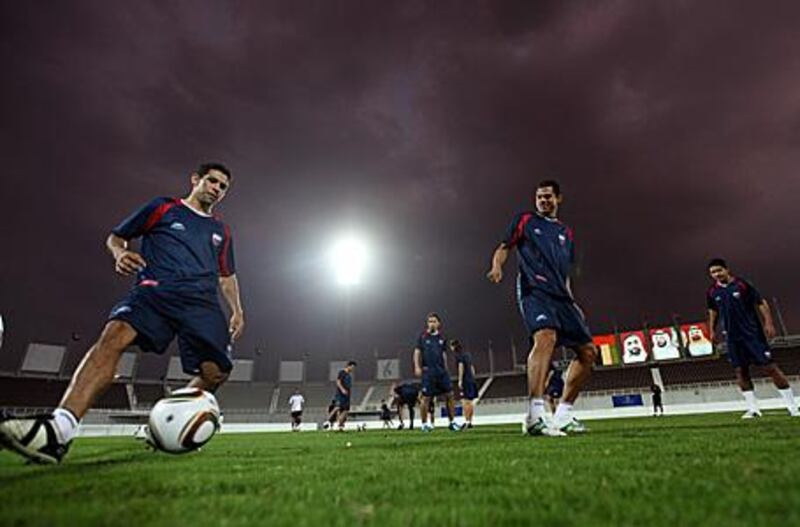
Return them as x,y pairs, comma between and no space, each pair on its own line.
342,401
743,353
408,397
435,382
158,314
542,311
470,391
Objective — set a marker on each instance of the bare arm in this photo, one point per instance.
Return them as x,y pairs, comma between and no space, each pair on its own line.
126,262
230,290
341,387
417,363
460,374
495,274
766,314
712,323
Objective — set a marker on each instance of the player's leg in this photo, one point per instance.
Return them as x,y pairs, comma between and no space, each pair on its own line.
544,342
579,371
469,410
746,386
411,416
784,388
426,414
46,438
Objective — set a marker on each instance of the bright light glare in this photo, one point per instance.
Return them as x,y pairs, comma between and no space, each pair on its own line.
349,259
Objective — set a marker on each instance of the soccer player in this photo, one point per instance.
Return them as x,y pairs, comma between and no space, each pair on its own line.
546,255
467,387
555,386
186,258
737,305
296,403
407,395
430,363
344,385
658,406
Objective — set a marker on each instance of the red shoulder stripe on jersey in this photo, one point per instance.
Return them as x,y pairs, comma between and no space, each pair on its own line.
224,269
520,230
157,214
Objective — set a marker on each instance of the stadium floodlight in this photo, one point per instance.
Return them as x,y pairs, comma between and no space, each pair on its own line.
348,258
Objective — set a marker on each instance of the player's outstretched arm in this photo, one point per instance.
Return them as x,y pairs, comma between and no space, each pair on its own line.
766,314
495,274
230,290
127,262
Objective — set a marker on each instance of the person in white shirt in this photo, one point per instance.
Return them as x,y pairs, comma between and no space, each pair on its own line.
296,403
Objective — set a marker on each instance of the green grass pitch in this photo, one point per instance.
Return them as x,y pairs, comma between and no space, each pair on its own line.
676,471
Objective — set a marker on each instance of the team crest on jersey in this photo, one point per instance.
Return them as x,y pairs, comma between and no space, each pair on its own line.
736,294
537,231
216,239
177,226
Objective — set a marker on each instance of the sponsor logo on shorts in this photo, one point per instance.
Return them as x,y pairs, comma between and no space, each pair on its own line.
541,318
177,226
767,354
216,239
120,310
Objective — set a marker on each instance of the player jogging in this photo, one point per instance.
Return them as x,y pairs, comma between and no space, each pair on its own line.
737,305
467,386
430,364
296,403
344,386
186,258
546,255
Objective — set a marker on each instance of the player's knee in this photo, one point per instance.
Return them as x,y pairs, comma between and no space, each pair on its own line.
588,354
544,338
116,336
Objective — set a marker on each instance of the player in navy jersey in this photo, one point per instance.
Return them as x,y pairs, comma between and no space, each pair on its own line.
185,259
736,304
546,255
467,386
430,364
341,398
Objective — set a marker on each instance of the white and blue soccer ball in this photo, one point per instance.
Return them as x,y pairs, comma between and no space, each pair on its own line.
184,421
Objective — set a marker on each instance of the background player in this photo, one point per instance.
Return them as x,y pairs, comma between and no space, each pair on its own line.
737,305
406,394
430,364
555,386
186,258
467,387
546,255
658,406
296,403
344,386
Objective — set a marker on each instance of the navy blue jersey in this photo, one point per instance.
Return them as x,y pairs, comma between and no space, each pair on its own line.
466,359
736,303
346,379
546,253
432,347
182,247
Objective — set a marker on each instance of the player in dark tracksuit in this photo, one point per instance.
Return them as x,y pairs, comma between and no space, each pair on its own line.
184,262
430,366
467,385
736,304
406,394
546,254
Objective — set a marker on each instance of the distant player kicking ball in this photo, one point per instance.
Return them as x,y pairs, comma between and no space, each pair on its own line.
467,386
546,255
341,399
737,305
186,259
430,364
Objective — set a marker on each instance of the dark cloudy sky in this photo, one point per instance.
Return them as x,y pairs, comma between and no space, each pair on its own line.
674,127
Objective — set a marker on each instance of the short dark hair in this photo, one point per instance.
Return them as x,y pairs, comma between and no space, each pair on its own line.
435,315
714,262
352,363
455,344
205,168
552,183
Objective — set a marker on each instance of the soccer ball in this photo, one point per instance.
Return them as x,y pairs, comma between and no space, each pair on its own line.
184,421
